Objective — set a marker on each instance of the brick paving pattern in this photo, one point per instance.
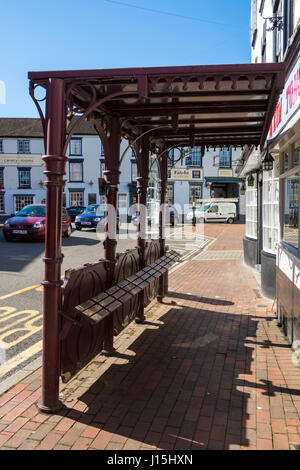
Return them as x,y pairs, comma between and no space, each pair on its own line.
210,369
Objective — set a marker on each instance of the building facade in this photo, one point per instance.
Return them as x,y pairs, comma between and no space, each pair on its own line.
21,168
272,174
198,177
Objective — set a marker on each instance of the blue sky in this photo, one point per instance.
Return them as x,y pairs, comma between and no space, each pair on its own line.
77,34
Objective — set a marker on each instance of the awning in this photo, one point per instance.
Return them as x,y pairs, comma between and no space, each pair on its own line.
205,105
223,179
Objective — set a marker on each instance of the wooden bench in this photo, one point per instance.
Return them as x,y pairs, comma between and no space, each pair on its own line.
90,312
98,307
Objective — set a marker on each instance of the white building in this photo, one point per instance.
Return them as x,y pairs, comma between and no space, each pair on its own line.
197,177
272,241
21,167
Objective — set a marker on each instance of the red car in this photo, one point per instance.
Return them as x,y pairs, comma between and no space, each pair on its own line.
29,222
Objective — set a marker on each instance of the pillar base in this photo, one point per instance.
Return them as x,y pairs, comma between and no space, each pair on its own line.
159,299
53,409
108,351
140,319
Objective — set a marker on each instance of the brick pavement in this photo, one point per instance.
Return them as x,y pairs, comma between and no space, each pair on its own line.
210,369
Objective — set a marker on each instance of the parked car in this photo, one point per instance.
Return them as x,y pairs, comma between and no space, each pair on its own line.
29,222
215,212
75,210
92,216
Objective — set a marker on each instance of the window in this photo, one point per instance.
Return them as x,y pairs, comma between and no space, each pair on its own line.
291,206
133,171
1,146
23,146
195,194
76,198
195,156
225,158
170,194
75,146
2,203
64,200
1,178
297,156
22,200
196,174
76,171
214,209
92,198
24,177
122,201
270,209
251,209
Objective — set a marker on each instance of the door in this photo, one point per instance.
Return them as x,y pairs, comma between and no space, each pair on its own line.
212,214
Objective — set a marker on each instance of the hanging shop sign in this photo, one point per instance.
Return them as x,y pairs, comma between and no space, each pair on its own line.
289,102
11,159
182,174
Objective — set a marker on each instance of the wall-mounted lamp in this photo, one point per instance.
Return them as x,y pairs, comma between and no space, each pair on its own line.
267,162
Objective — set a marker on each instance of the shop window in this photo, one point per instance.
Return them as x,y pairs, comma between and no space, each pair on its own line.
291,207
195,194
251,209
22,200
76,198
1,146
270,209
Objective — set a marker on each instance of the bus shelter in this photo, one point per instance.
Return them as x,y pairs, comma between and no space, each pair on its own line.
156,110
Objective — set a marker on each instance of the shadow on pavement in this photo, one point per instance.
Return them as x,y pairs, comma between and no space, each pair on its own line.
181,390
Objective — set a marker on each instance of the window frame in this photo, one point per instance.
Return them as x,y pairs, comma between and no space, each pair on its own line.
24,186
77,139
76,162
21,145
288,174
24,196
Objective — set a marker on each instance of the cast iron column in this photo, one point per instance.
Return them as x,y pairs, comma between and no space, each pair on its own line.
111,176
54,170
142,187
163,280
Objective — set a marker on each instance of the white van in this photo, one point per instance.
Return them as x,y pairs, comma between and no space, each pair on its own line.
216,212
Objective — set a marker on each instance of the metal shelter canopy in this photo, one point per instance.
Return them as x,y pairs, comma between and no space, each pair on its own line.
211,105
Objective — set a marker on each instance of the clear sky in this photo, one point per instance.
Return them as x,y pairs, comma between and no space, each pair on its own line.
79,34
